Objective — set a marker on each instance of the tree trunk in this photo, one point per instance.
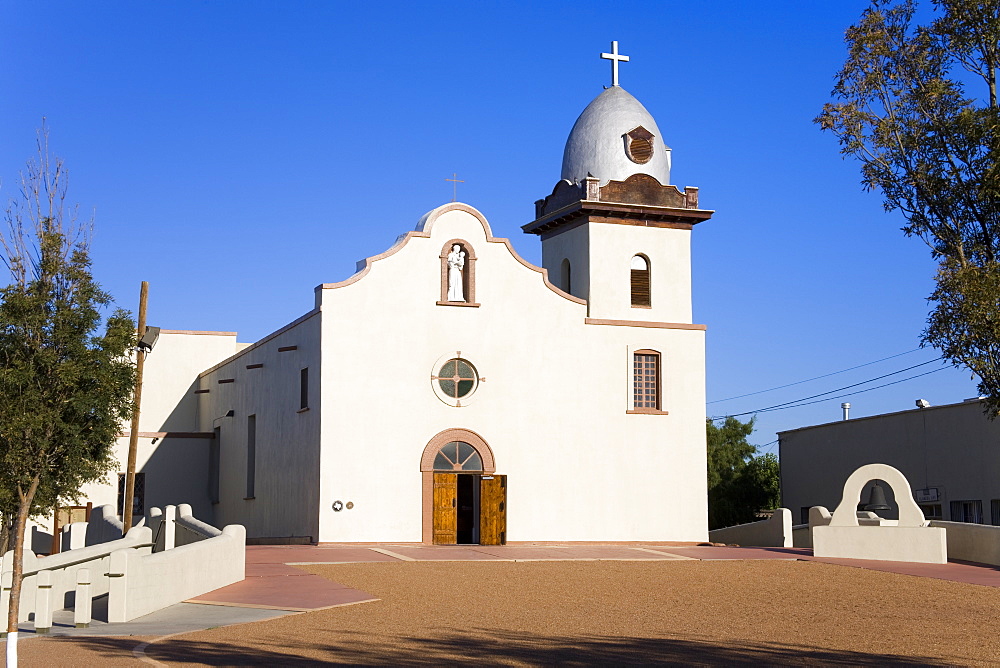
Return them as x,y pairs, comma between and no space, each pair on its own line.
23,511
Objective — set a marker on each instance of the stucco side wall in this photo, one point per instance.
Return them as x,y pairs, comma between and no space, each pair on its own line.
553,405
954,448
174,466
285,496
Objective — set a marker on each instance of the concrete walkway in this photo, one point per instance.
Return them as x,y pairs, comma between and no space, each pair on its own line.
274,587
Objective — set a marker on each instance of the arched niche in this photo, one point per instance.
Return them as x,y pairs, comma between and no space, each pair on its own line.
468,274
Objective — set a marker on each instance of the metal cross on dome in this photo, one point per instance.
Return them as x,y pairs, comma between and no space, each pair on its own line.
615,59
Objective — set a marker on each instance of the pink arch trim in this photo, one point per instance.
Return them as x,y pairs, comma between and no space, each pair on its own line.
466,435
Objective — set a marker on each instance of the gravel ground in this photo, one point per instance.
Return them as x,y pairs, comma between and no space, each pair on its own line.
597,613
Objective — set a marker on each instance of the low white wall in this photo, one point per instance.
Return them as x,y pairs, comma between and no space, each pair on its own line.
142,584
881,543
820,517
775,531
972,542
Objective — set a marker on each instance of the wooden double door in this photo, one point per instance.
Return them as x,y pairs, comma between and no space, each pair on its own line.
470,508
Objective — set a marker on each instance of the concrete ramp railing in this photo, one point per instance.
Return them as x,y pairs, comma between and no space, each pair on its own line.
62,571
190,529
775,531
142,584
141,573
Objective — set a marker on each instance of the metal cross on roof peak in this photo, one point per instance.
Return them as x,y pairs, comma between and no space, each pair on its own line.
455,181
615,59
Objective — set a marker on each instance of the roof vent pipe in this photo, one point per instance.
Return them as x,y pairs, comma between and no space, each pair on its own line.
847,409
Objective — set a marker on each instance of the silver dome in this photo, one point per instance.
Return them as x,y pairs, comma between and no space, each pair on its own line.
599,145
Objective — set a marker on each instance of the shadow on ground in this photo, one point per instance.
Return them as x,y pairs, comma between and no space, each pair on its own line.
489,647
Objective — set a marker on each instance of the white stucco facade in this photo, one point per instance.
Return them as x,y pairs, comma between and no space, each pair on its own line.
331,428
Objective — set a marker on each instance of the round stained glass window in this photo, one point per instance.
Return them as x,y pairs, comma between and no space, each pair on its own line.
456,380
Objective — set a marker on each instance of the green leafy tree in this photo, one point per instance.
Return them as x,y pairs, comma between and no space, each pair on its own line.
741,483
917,106
65,381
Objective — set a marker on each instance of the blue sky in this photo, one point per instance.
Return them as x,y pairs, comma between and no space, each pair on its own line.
236,154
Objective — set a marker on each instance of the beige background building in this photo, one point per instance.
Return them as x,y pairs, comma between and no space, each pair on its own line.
949,454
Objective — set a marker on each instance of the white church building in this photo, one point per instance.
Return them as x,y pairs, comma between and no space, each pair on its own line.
451,392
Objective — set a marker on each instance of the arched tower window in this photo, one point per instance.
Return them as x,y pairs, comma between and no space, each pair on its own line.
564,276
458,274
640,281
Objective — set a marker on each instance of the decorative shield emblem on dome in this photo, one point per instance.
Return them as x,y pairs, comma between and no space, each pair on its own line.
639,145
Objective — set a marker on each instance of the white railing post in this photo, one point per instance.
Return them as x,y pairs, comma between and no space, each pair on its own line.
118,586
169,527
77,535
6,580
43,602
28,583
83,600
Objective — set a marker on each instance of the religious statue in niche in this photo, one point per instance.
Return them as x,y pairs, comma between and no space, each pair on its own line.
456,267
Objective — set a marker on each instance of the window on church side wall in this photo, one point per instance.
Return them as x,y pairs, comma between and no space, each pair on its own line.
640,281
251,456
564,276
458,274
304,389
458,456
646,381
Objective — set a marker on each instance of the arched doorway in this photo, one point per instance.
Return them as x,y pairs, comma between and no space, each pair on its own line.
464,501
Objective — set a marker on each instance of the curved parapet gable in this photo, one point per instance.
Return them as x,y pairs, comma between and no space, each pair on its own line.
541,270
426,222
364,266
424,230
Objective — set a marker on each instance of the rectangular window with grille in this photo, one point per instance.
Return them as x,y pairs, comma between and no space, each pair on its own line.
646,380
138,498
995,512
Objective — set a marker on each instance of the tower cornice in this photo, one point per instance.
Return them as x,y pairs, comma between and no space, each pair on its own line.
640,200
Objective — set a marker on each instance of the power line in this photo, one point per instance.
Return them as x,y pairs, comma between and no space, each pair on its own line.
839,389
843,396
826,375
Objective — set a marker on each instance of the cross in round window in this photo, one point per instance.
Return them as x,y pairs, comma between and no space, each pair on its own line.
457,379
458,456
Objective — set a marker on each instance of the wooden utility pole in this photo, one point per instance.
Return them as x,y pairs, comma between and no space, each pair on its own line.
133,437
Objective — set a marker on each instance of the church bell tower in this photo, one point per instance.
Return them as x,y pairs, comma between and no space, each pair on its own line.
613,231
